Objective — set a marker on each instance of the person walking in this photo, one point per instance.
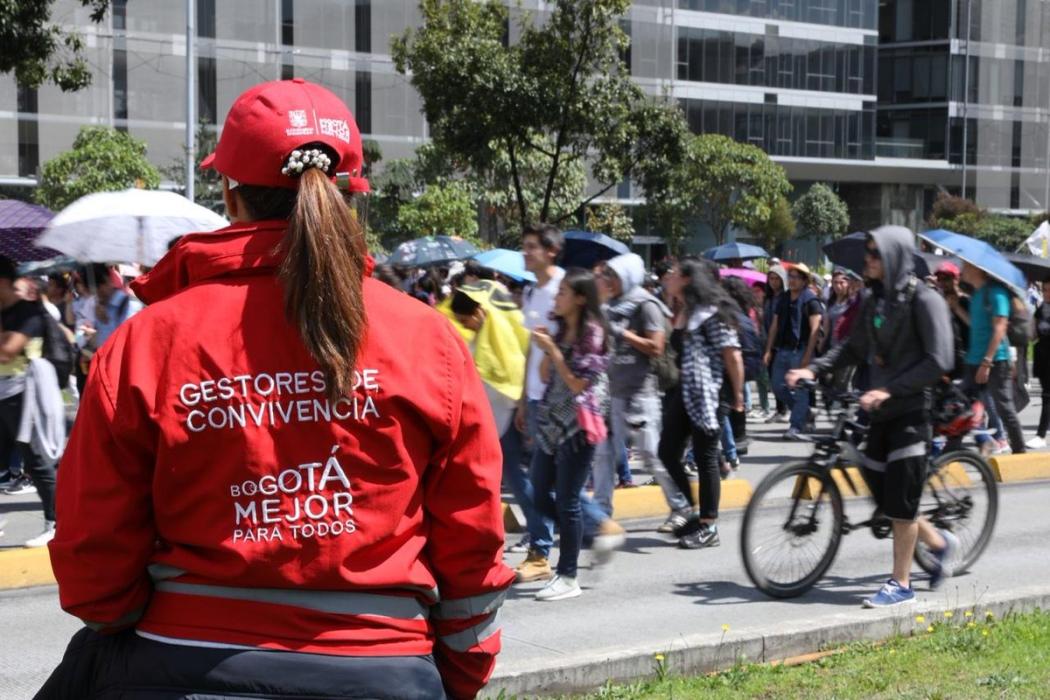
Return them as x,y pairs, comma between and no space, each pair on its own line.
284,502
709,351
792,342
988,364
638,325
1041,366
776,285
25,379
570,419
904,335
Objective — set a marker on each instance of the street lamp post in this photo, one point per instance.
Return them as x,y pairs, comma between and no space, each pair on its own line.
191,97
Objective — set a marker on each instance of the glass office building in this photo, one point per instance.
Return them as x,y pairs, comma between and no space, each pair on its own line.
968,81
890,100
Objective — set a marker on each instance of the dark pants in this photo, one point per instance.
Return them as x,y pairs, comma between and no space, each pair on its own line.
565,472
40,472
1000,388
677,431
125,666
1044,413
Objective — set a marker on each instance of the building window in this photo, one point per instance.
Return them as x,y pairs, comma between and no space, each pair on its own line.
120,15
363,101
28,132
120,79
363,26
206,19
207,90
288,22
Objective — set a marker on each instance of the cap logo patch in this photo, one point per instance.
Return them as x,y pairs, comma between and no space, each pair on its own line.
297,118
335,127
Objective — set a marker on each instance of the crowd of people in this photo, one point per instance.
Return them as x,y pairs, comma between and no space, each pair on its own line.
50,327
669,366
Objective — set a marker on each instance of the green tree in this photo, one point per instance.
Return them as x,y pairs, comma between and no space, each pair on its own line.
101,160
612,220
724,183
37,50
207,184
560,91
948,206
779,227
446,209
821,213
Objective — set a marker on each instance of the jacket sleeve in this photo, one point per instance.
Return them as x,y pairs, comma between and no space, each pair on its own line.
934,328
465,538
105,532
852,352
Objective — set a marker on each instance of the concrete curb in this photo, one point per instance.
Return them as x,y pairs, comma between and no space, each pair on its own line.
713,652
21,568
1027,467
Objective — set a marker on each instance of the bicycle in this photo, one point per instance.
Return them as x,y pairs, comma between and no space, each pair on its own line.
800,504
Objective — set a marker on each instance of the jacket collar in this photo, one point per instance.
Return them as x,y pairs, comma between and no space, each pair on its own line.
240,249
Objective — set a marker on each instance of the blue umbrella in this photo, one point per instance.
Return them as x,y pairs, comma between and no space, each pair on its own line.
432,250
587,248
735,251
506,262
981,255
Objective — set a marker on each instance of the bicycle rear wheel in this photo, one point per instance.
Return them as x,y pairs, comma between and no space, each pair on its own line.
792,529
960,496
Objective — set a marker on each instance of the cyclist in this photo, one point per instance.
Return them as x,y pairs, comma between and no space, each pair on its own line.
904,335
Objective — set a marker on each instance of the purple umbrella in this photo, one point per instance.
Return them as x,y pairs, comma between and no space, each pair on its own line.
20,224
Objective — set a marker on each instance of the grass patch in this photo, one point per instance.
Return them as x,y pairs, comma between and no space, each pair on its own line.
960,655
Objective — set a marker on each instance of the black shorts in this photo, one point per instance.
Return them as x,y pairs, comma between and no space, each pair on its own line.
895,463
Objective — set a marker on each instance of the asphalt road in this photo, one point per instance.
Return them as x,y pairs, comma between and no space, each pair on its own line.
650,594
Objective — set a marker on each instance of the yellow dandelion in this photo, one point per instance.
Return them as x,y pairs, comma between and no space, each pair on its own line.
970,625
725,628
893,651
659,657
968,613
989,615
948,614
930,628
920,619
984,633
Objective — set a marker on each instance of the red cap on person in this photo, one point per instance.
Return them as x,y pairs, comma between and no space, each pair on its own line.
947,268
270,121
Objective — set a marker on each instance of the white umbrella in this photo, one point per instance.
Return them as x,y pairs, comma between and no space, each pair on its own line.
127,226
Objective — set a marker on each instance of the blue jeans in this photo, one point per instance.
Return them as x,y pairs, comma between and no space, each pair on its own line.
566,472
728,440
797,400
539,527
623,467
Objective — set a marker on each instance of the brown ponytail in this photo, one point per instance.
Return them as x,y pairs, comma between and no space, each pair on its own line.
322,272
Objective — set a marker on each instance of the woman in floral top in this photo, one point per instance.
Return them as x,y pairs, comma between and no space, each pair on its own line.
570,423
710,353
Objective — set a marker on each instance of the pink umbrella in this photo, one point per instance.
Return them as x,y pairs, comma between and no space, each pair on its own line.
749,276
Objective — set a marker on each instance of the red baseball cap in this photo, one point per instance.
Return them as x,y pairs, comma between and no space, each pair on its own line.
269,121
947,268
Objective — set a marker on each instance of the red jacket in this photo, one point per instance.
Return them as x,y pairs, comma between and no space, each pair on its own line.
211,492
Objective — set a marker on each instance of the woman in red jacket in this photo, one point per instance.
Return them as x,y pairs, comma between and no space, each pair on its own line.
284,477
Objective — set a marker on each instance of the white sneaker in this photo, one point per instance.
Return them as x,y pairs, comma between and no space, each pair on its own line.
559,588
1036,443
44,537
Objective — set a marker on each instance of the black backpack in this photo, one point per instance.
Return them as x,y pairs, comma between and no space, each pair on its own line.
61,353
1019,328
751,346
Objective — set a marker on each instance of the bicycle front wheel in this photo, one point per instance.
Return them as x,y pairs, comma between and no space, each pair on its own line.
792,529
960,496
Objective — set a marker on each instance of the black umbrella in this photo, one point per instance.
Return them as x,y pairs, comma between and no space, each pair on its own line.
586,248
848,252
1035,269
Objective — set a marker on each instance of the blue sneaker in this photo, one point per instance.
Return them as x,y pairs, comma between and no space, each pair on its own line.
891,594
944,560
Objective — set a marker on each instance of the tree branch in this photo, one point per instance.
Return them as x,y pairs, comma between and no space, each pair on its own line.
559,142
518,193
